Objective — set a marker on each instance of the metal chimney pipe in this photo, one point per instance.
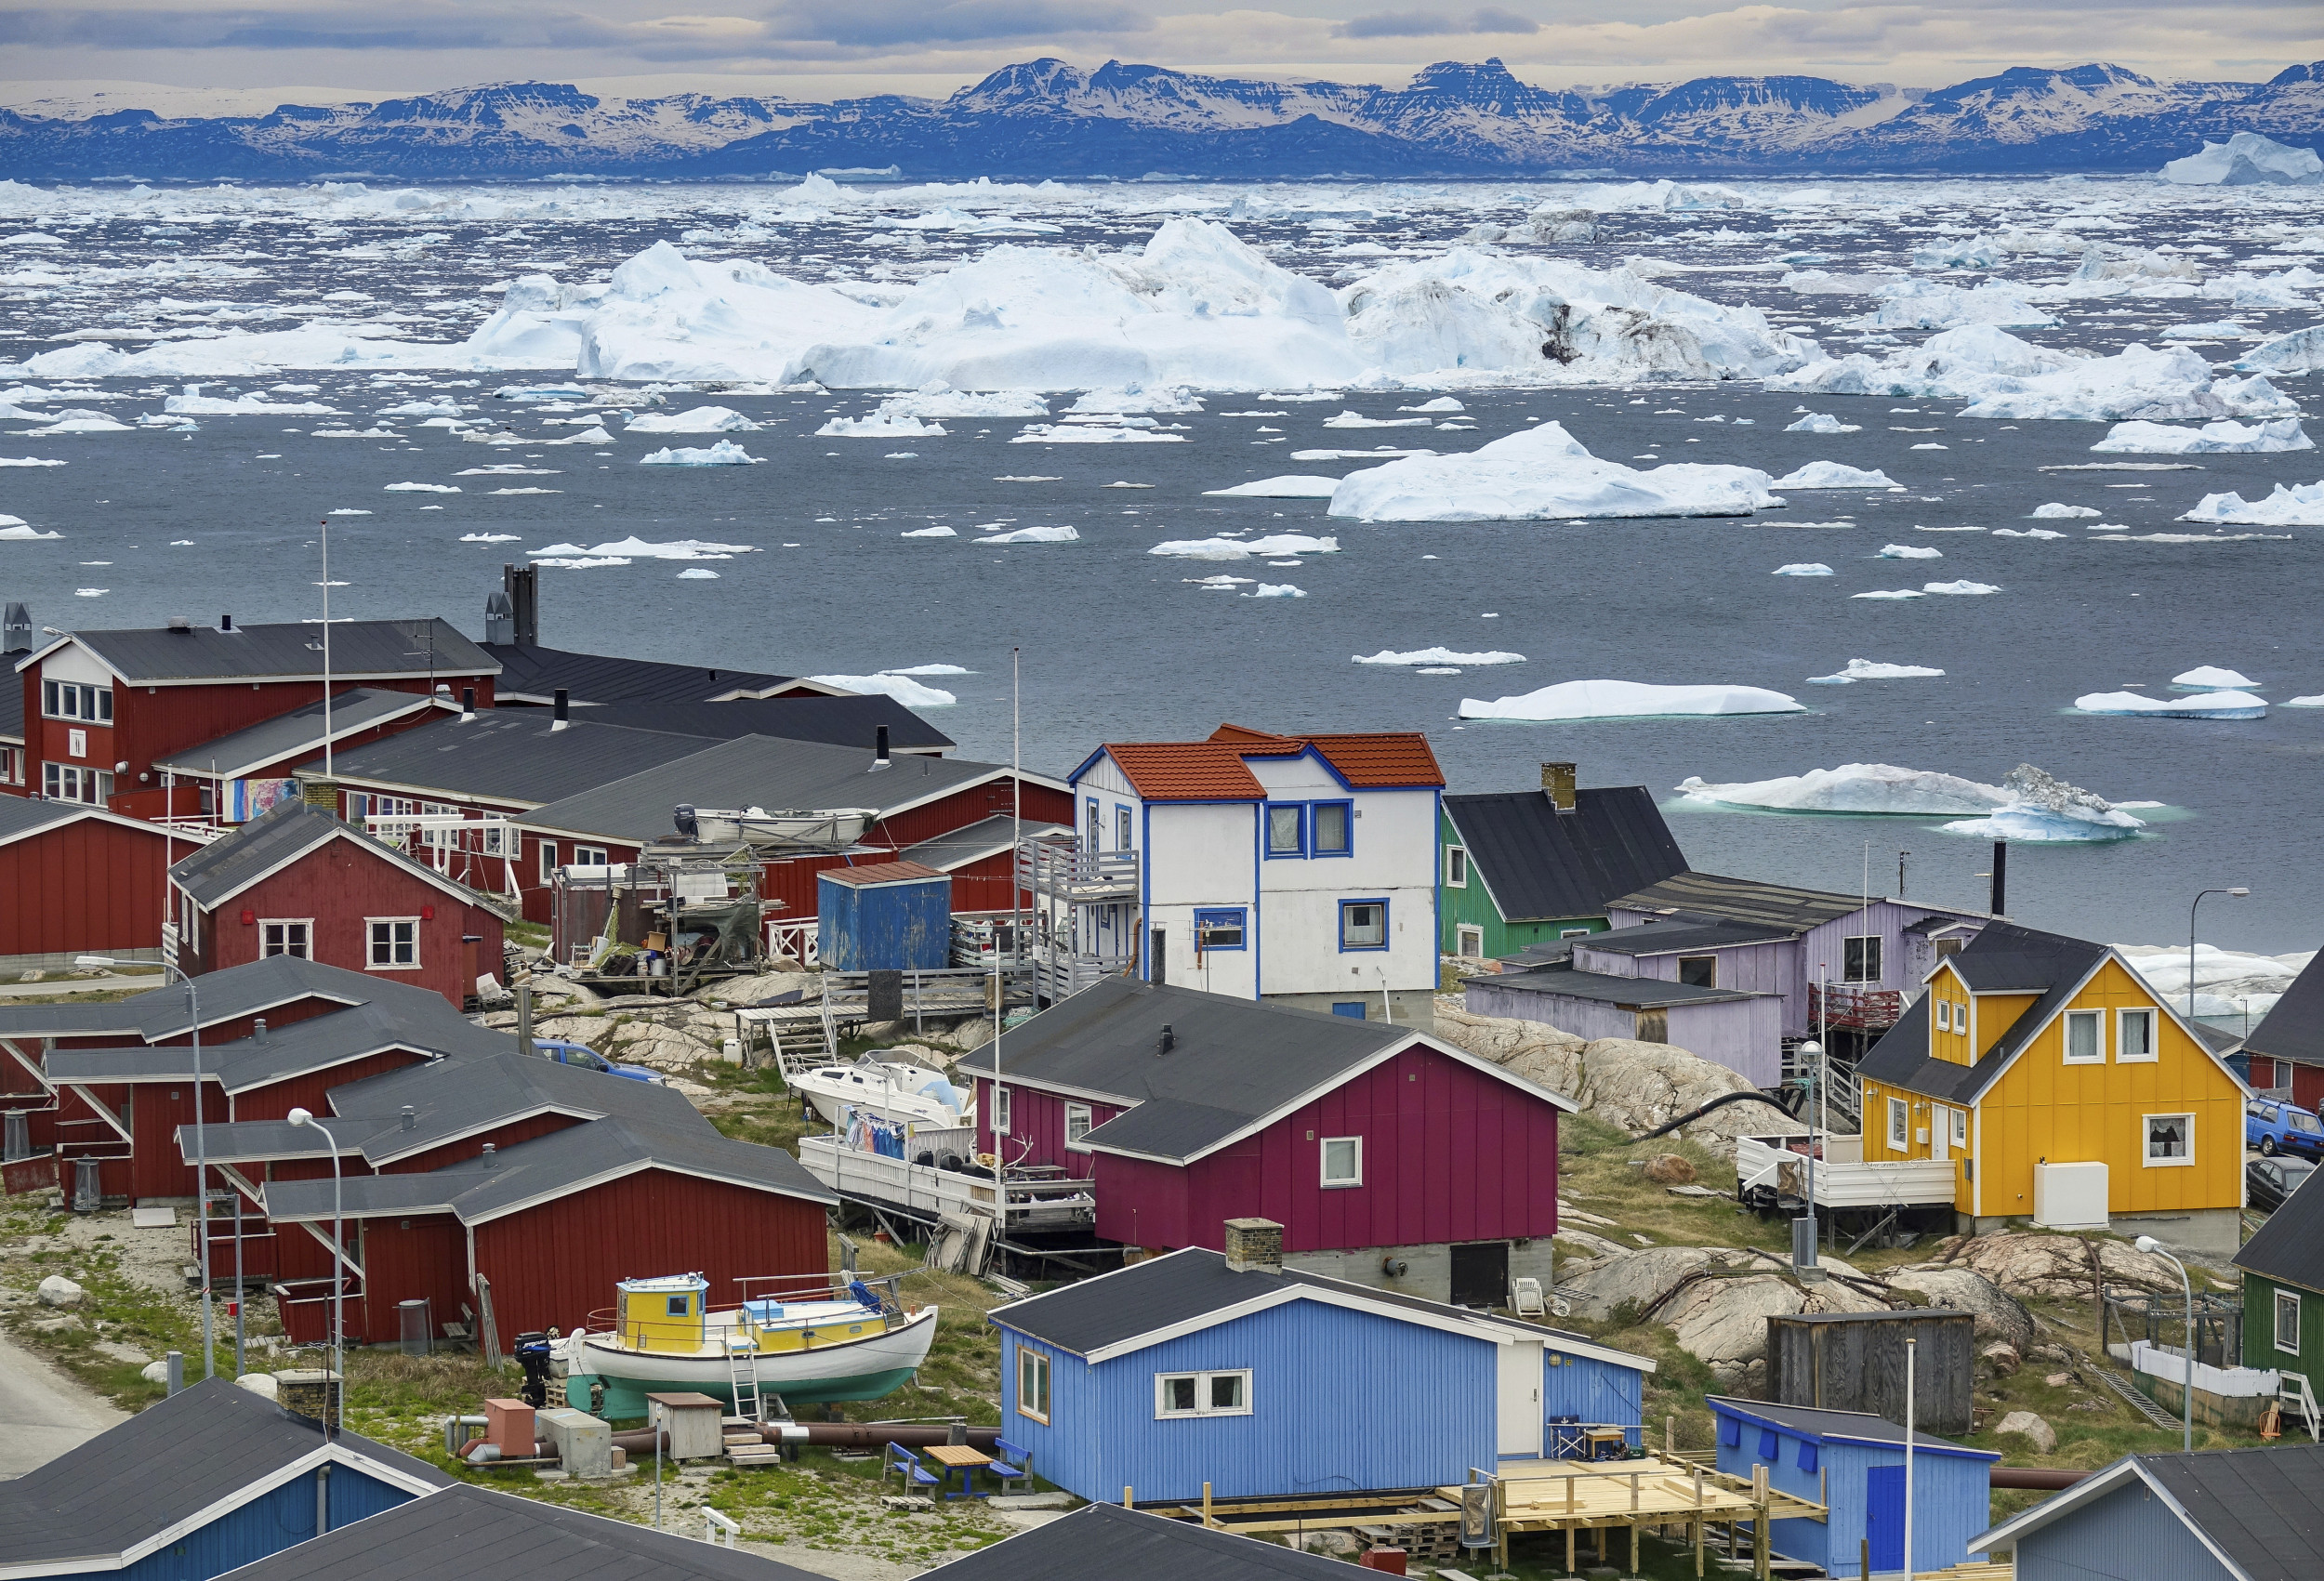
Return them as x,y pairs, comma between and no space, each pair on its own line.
879,747
467,703
562,707
1999,904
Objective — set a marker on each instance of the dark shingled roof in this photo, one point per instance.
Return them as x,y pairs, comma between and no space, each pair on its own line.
1711,896
1130,1545
2294,1028
1674,934
21,815
287,832
1627,992
454,1098
248,990
481,1532
2262,1508
2003,957
1860,1426
840,721
359,649
1539,864
2289,1247
514,755
172,1460
232,756
533,674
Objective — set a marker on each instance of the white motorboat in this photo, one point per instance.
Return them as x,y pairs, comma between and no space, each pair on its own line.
828,828
887,1090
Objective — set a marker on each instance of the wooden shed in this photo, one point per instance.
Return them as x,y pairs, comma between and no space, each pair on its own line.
1856,1362
886,917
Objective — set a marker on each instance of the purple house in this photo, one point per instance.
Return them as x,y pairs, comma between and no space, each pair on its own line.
1736,971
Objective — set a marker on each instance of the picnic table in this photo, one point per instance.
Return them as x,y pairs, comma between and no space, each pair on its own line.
960,1457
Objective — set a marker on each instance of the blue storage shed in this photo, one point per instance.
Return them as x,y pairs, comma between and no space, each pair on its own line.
1853,1463
1193,1368
889,916
211,1479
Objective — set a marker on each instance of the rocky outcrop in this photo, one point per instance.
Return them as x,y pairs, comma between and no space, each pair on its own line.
2030,1265
2000,1318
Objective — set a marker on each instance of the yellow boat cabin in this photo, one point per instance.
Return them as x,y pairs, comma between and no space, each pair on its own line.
2064,1091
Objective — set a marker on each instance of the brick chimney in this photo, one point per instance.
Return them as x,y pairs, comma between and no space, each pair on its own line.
320,793
1557,784
1254,1246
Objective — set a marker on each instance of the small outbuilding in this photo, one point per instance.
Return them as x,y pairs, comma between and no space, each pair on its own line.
886,917
1255,1378
1854,1463
79,880
2222,1515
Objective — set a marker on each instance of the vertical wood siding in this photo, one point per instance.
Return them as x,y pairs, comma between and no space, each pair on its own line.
89,886
1952,1496
2127,1536
268,1525
1036,1125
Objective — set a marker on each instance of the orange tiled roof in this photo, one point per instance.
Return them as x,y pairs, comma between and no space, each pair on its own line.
1380,757
880,873
1186,770
1214,770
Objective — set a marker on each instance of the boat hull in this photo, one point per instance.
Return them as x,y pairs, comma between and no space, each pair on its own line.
870,1369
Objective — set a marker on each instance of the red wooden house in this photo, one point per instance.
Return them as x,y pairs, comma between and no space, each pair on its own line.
1389,1157
78,881
300,882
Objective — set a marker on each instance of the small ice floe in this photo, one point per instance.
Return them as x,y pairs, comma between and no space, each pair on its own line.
27,461
91,592
1437,656
1962,589
1030,478
193,403
354,433
1118,483
929,533
1093,433
1034,535
2042,808
347,510
2212,677
1436,669
1822,423
1805,567
2315,702
2027,533
2223,438
420,489
2293,505
583,563
726,453
1292,486
2225,329
2206,705
1542,472
878,425
1275,590
540,392
1166,398
528,491
698,420
79,422
447,407
902,456
1629,698
2055,511
181,543
489,538
1857,788
1891,593
698,574
1253,548
904,688
635,548
1442,404
1384,453
940,399
928,669
1910,551
593,436
1869,669
1218,583
1357,420
1833,475
507,469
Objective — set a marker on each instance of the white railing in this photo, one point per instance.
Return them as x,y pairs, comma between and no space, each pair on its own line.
441,838
199,830
796,939
927,1192
1842,1178
718,1530
1053,869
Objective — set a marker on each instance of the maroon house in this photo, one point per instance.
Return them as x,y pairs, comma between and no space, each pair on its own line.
1389,1157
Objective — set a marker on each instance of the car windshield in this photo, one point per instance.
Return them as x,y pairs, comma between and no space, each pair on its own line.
2300,1121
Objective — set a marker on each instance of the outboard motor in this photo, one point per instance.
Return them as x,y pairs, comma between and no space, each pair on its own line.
689,826
532,1353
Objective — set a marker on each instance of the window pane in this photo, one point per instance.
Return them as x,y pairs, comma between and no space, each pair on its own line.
2166,1136
1282,831
1331,829
1226,1391
1699,972
1363,924
2138,1034
1340,1159
2082,1036
1177,1395
1456,866
1121,828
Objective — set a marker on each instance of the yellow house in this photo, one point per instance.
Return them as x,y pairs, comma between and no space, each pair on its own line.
2065,1090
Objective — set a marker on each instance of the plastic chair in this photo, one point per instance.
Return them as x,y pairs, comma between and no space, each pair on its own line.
1012,1462
902,1460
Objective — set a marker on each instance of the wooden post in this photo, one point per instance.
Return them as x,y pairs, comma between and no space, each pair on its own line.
1633,1503
1206,1507
1698,1535
1571,1569
1671,1436
1633,1548
1864,1555
1762,1552
1570,1496
1126,1499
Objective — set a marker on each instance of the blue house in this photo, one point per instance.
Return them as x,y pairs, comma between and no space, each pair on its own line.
208,1481
1853,1463
2220,1515
1233,1370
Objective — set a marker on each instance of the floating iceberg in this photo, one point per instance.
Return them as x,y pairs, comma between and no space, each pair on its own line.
1629,698
640,548
14,531
1857,788
880,425
1910,551
2210,678
1868,670
1543,472
929,533
1357,420
1438,656
1278,546
2246,160
193,403
444,408
1804,568
1833,475
2295,505
726,453
2211,438
2301,351
940,399
2056,512
1977,253
700,420
697,575
1122,402
904,688
1923,304
1296,485
480,537
1275,590
1092,433
1823,423
1962,589
2041,807
1035,535
2208,706
37,461
420,489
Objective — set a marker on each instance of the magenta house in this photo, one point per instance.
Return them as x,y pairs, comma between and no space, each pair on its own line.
1390,1158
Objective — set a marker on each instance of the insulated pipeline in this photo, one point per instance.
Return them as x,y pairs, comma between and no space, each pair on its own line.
2036,1477
837,1435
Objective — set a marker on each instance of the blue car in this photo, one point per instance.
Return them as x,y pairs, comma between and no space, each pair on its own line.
2274,1128
589,1059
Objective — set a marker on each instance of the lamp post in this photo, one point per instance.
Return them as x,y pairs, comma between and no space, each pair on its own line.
2239,892
338,1264
2187,1385
200,1156
1803,1262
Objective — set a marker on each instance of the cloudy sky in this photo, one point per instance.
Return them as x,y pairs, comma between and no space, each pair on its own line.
822,48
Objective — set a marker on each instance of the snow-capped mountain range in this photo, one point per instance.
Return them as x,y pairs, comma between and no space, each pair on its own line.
1048,118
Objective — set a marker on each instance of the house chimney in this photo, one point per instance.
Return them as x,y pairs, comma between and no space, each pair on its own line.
500,620
15,630
226,623
492,1156
410,1117
559,707
879,748
1169,1041
1999,904
1254,1246
468,704
257,1030
320,794
1557,782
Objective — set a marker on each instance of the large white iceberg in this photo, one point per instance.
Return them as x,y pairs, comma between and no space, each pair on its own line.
699,420
2042,808
2212,439
193,403
2208,705
1543,472
1834,475
1857,788
904,688
2301,351
2246,160
634,547
1629,698
2295,505
940,399
1822,423
1035,535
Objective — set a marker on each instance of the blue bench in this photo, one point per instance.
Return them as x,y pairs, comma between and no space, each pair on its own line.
896,1458
1012,1462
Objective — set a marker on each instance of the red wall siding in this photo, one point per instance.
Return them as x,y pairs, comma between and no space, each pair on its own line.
89,886
503,1138
405,1259
1036,1126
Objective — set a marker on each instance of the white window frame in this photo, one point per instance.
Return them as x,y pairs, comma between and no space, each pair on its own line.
589,856
370,943
2147,1140
1899,1125
1000,1110
1944,1014
1456,867
308,923
1033,1378
1960,1127
2096,1021
1323,1163
1575,932
1124,827
1465,934
1202,1383
548,862
2122,1020
2281,1297
1076,1112
1878,950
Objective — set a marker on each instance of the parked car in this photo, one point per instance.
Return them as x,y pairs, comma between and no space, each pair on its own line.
590,1060
2274,1127
2268,1182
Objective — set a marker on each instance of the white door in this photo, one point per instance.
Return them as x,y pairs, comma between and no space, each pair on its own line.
1520,1398
1940,1132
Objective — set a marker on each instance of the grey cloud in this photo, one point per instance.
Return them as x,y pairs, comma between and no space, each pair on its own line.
1431,24
884,23
268,30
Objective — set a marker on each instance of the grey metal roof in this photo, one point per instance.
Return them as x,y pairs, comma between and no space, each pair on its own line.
2289,1248
1863,1426
1709,896
1131,1545
974,842
473,1530
2294,1028
170,1462
2002,957
21,815
841,722
1540,864
1669,936
288,831
529,673
2261,1508
413,1018
289,735
1599,987
510,755
248,990
359,649
458,1098
756,770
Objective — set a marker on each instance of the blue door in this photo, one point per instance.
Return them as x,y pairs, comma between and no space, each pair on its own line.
1352,1008
1884,1516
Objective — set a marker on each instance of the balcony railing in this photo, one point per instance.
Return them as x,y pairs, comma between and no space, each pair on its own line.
1053,869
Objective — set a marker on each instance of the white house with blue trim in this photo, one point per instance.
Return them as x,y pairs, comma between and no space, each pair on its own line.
1232,1370
1296,868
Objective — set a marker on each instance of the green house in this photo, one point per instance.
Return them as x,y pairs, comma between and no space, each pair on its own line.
1520,868
2283,1290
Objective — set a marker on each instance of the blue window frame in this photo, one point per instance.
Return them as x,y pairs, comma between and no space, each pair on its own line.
1331,829
1097,828
1363,925
1221,928
1287,828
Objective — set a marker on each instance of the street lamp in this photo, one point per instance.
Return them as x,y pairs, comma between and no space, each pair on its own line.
201,1156
339,1266
2186,1434
2239,892
1803,1242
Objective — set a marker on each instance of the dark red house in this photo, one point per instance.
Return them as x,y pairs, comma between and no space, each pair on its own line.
1389,1157
78,880
300,882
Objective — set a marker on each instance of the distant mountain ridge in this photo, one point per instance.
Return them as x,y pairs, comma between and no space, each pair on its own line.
1049,118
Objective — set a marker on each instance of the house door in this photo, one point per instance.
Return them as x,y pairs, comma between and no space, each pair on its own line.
1480,1275
1520,1398
1940,1132
1884,1516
